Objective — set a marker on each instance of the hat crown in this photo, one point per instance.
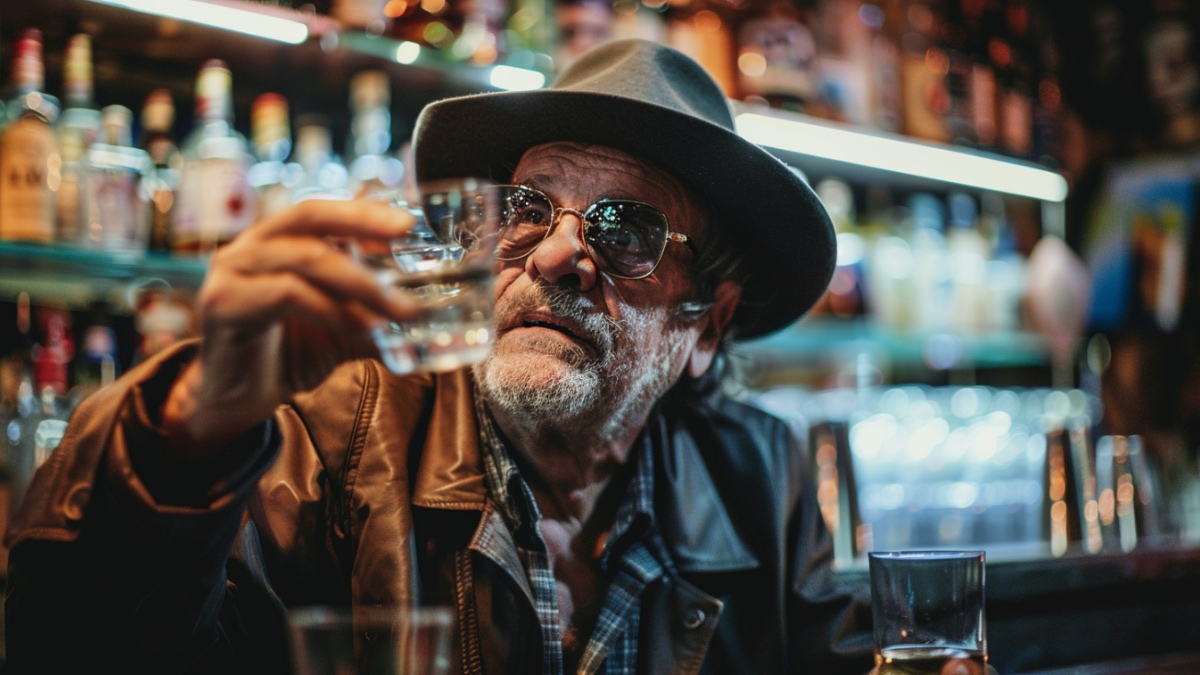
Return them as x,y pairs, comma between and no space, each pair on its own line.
651,73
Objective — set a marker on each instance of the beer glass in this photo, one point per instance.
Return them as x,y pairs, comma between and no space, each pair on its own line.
927,611
447,263
370,640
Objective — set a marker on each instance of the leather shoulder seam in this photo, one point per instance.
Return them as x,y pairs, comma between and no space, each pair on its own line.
368,399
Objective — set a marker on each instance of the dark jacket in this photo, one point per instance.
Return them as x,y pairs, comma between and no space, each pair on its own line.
369,491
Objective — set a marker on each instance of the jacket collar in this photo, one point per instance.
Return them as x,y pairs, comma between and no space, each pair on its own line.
696,524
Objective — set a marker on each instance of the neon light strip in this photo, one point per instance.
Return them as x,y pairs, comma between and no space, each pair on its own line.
906,157
220,16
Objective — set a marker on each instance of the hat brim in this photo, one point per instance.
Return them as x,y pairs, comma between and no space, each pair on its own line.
767,209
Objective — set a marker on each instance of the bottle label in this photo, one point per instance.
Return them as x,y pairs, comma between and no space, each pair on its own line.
926,99
30,173
116,219
215,203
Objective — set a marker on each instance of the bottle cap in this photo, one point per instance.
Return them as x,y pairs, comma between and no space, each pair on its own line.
213,91
269,127
29,73
117,121
158,113
77,71
370,89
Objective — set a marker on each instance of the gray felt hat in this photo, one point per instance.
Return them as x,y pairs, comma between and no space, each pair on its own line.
659,105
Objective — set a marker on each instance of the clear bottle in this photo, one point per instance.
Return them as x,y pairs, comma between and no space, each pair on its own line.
97,361
271,177
371,168
30,171
324,174
215,200
924,66
116,207
78,128
162,180
968,257
931,277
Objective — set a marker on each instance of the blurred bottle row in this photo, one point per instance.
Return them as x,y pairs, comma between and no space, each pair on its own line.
53,358
976,72
932,263
72,174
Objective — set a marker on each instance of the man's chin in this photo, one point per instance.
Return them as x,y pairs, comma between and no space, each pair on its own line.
536,386
528,369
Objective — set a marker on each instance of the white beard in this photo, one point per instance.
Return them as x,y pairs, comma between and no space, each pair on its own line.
561,387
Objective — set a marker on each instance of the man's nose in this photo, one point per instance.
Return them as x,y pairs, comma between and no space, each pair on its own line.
562,258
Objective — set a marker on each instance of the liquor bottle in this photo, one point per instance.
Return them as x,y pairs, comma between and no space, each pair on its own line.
29,167
366,15
1014,82
97,362
162,180
777,59
116,207
968,257
371,169
884,66
923,69
270,135
481,40
931,279
78,128
31,438
954,42
580,25
324,174
215,200
982,85
17,340
707,38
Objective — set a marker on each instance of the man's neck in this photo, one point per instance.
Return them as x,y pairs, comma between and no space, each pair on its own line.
568,468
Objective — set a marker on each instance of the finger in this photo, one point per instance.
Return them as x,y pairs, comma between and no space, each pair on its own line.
347,218
265,299
318,264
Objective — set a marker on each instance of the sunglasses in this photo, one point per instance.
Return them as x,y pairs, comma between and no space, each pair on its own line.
625,238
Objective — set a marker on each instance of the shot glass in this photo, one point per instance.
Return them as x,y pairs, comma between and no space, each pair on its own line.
370,641
927,610
446,262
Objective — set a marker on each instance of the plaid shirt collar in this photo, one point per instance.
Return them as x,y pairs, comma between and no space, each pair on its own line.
634,554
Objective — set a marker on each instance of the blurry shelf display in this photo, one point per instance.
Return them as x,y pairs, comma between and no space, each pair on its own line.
310,57
75,278
820,338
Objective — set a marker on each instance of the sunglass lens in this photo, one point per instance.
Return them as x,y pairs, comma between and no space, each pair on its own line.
626,237
525,219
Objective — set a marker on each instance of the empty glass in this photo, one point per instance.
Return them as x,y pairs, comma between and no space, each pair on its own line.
928,612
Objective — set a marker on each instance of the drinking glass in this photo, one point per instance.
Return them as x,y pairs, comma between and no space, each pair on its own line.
370,640
447,263
928,612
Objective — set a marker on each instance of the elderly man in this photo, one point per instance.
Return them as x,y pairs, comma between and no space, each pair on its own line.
586,499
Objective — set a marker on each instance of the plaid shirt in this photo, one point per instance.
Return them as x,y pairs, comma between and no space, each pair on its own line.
632,558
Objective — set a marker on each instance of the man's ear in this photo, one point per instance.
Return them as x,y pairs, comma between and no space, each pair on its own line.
725,302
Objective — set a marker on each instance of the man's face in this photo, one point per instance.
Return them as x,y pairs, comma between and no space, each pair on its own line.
573,343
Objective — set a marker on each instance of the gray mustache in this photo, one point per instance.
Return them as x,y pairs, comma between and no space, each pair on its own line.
564,303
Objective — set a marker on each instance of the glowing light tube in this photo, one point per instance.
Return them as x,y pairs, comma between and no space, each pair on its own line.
900,156
220,16
516,79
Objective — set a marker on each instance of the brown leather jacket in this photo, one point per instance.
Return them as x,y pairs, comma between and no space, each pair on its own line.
369,491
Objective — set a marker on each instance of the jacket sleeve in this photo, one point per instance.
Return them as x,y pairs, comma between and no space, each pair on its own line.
118,557
828,617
